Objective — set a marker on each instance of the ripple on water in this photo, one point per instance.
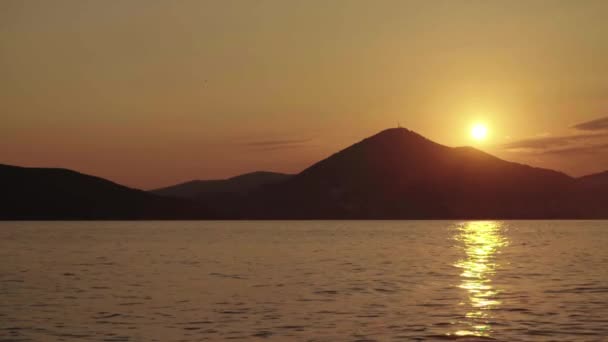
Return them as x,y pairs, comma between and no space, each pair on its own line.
305,281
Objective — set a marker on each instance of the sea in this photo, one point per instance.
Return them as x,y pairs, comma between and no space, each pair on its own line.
304,281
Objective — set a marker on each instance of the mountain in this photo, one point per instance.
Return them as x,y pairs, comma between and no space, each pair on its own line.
47,193
395,174
590,200
243,184
398,174
597,180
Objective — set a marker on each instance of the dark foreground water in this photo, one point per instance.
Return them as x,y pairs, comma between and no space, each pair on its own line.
304,281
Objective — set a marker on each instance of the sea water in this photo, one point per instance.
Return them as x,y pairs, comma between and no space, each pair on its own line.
304,281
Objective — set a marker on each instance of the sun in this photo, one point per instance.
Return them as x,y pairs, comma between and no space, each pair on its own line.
479,132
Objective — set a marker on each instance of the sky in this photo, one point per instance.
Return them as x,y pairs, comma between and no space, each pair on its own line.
152,93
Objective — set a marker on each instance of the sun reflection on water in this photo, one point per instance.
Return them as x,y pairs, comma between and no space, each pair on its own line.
481,241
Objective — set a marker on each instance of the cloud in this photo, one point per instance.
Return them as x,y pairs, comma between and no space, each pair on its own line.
550,142
271,145
580,150
278,142
593,125
280,147
588,137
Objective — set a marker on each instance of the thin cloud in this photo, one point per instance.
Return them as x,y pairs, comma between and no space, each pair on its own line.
551,142
591,149
590,137
273,145
278,142
280,147
593,125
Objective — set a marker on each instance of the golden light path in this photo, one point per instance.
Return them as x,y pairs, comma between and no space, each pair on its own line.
481,241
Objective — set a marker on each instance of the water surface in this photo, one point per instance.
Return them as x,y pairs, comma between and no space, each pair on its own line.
304,281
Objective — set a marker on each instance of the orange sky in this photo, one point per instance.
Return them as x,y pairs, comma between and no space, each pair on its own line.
150,93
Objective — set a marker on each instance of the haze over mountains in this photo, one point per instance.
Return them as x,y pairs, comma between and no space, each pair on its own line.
395,174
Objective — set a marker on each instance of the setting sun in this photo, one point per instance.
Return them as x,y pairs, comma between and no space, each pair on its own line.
479,132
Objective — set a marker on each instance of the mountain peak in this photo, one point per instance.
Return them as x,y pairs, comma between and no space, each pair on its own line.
397,140
396,129
398,133
393,132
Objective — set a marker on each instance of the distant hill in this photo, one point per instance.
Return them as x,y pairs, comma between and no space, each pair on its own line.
395,174
46,193
242,184
594,180
590,200
398,174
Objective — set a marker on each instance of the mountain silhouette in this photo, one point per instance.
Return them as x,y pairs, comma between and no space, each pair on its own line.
590,198
395,174
398,174
597,180
55,194
242,184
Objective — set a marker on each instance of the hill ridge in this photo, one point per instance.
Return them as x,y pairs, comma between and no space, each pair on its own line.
394,174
